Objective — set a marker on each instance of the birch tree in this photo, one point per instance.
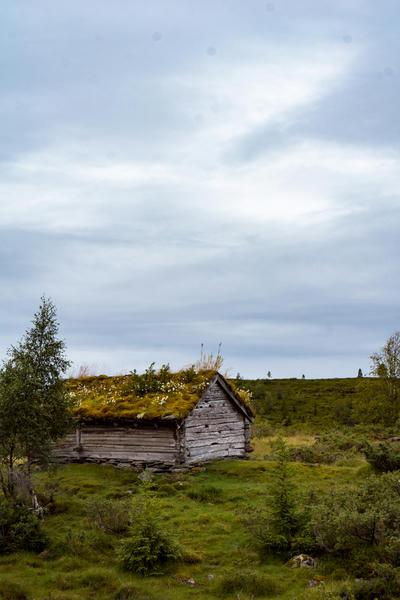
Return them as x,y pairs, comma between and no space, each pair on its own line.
34,406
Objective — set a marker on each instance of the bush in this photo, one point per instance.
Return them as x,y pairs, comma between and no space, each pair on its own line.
20,529
342,440
361,523
370,589
150,382
147,548
149,545
250,583
383,457
271,541
315,454
281,529
328,448
11,591
111,516
274,543
285,517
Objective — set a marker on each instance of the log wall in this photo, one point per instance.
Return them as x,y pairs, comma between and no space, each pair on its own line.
214,428
147,444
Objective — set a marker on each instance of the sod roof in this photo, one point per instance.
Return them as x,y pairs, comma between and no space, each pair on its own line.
133,397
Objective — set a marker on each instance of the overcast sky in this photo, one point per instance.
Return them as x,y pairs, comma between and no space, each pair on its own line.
178,172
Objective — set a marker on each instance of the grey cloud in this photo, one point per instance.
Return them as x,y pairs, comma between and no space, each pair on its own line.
312,291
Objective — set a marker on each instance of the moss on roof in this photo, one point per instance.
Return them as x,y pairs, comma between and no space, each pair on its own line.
147,397
105,398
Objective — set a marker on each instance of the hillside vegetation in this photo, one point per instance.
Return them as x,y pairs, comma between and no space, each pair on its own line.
313,404
205,509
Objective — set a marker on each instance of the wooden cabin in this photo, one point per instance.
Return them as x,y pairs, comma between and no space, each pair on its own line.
181,423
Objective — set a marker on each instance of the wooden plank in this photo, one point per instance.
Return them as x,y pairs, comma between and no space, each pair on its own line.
107,447
227,435
127,439
217,447
215,426
135,444
125,436
213,431
220,449
131,458
207,421
207,457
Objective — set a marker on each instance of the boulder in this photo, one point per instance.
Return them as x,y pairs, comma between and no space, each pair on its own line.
300,561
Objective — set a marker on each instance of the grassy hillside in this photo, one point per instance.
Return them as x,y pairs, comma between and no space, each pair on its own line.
204,509
313,403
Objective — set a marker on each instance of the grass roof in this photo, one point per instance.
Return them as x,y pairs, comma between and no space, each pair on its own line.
151,396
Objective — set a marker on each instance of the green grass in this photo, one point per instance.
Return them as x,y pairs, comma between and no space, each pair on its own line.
203,509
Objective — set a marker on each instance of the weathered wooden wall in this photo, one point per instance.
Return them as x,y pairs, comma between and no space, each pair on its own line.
144,443
214,428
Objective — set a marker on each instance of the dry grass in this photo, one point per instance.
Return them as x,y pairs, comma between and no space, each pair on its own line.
262,446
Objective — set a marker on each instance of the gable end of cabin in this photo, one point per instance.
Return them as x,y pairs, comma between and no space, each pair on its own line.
217,427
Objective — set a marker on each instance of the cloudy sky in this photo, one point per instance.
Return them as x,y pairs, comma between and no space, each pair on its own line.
178,172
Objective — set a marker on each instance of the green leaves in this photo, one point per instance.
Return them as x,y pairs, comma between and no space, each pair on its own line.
386,366
284,510
367,516
149,544
34,407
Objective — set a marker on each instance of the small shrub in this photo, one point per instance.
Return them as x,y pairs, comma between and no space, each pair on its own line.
188,375
383,457
250,583
111,516
303,543
149,544
390,550
280,527
362,523
166,489
208,493
285,518
342,440
148,383
20,529
147,548
11,591
315,454
370,589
